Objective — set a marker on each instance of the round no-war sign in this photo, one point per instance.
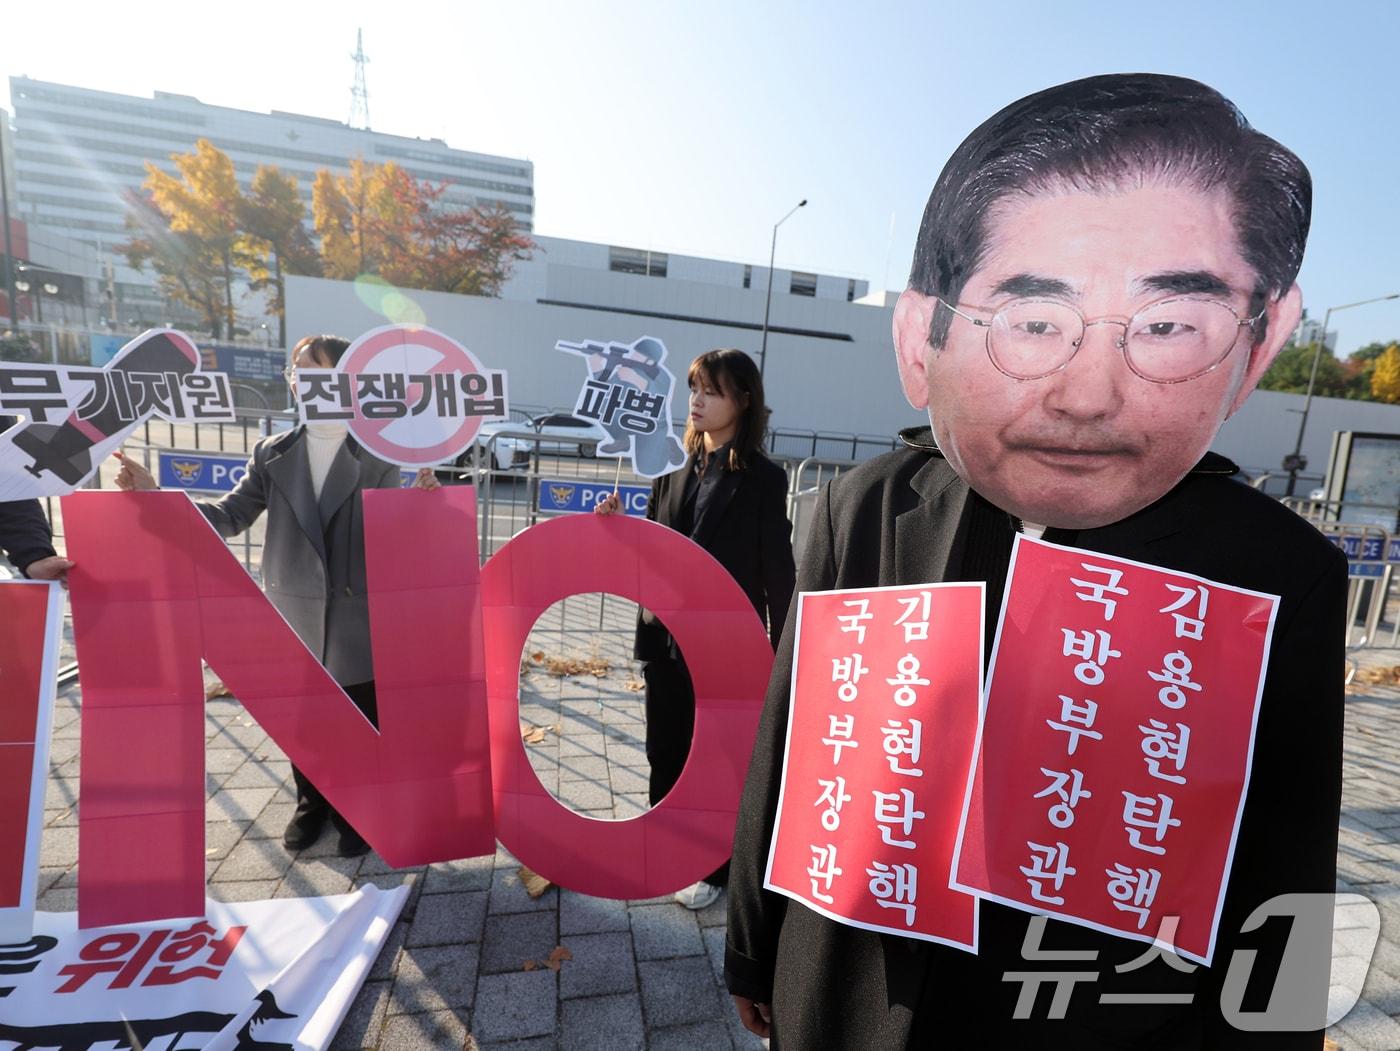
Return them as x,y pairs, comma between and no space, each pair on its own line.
410,395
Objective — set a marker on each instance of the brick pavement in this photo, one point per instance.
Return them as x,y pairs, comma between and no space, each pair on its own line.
644,974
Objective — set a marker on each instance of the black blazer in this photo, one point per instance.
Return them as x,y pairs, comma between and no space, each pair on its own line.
746,529
25,536
896,520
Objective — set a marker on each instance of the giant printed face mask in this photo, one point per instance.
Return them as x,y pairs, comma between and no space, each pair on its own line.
1098,328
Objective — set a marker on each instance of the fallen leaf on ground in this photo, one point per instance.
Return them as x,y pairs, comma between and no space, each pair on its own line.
635,685
1378,676
557,957
216,689
563,667
531,734
531,965
533,882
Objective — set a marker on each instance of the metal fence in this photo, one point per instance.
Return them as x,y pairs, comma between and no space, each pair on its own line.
1372,618
516,464
835,447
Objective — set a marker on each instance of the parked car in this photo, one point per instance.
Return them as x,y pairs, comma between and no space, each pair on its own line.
578,437
583,435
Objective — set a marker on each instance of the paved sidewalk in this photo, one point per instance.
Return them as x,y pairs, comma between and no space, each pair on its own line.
643,974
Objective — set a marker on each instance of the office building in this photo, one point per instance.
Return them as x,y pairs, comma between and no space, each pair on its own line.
76,152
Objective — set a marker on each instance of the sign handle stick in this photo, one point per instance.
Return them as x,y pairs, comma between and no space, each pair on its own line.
617,477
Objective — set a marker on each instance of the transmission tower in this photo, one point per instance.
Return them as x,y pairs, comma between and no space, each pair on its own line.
359,94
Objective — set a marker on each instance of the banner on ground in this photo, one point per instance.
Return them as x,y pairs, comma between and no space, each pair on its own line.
412,396
277,973
881,725
70,418
1115,746
628,393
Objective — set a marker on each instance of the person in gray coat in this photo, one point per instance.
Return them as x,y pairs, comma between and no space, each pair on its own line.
309,482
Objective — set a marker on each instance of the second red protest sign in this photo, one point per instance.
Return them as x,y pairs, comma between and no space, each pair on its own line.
1116,745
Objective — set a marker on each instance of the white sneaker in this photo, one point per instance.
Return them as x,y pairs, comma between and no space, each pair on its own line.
698,895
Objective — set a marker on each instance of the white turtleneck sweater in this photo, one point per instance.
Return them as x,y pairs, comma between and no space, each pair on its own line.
323,441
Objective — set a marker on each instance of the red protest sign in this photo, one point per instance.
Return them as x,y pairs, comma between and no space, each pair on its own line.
1115,745
885,688
32,614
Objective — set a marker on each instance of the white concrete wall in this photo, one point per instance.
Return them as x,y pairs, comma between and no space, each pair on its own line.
813,384
1266,428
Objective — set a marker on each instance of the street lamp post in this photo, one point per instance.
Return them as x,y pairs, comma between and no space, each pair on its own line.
1294,462
768,303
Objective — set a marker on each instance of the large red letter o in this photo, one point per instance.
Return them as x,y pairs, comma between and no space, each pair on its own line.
727,651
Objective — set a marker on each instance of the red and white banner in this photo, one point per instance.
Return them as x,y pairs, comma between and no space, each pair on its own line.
252,974
1115,745
883,716
32,613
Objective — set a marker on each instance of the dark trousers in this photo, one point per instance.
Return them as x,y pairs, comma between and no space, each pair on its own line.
670,708
309,798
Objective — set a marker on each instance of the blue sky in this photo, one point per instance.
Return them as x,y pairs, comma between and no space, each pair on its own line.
692,127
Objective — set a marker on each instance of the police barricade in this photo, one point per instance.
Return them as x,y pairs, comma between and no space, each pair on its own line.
805,480
523,476
1372,553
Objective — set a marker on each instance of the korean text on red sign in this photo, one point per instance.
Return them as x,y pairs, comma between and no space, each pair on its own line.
883,716
1116,745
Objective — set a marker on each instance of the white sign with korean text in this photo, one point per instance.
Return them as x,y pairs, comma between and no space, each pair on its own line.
628,394
412,396
68,419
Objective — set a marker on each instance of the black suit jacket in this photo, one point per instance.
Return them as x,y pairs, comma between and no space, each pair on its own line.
899,519
746,529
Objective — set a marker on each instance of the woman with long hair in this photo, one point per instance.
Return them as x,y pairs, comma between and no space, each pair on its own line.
732,501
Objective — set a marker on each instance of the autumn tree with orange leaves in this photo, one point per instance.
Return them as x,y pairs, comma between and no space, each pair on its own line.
380,220
199,232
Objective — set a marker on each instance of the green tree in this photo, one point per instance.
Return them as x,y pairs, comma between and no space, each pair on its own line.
204,203
1359,366
1290,371
274,242
1385,380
